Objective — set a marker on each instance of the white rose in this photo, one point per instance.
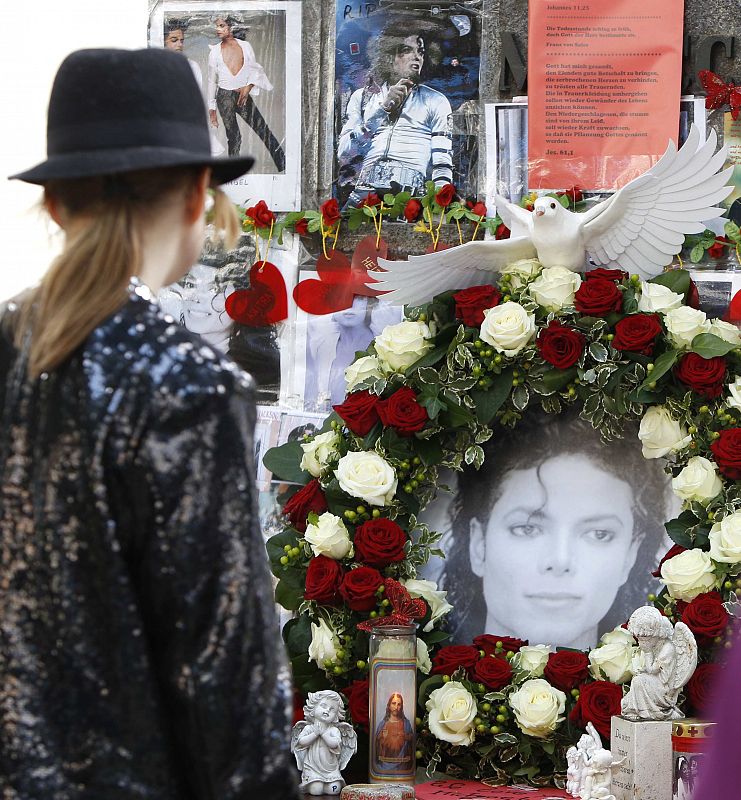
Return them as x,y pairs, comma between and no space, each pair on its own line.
329,537
318,452
399,346
688,574
520,272
451,712
725,331
660,433
434,598
684,323
367,476
734,389
363,369
658,298
508,328
699,480
324,644
612,661
424,665
725,539
532,659
618,636
538,707
555,288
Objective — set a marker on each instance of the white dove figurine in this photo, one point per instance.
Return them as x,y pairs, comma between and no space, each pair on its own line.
639,229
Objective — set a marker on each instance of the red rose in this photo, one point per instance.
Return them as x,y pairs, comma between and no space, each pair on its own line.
637,333
307,499
702,375
502,231
330,211
597,702
359,587
412,210
727,452
471,303
445,195
357,702
261,215
302,226
693,296
448,659
574,194
402,412
674,550
699,688
717,250
379,542
371,200
597,297
704,616
488,643
560,345
359,411
494,673
607,274
479,209
566,669
323,579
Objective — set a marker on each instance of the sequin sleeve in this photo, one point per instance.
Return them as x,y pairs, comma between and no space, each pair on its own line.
206,595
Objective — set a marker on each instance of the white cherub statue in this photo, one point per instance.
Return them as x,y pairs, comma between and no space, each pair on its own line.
666,659
323,744
590,766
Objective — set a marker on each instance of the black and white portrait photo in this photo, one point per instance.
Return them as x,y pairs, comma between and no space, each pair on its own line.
555,538
246,57
715,290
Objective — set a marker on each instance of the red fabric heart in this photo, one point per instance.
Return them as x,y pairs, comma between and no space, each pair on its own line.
440,246
322,297
734,310
265,302
365,262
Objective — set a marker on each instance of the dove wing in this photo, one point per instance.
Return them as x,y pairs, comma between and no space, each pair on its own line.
418,279
515,218
643,225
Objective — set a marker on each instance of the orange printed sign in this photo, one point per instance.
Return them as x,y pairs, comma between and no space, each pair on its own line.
604,81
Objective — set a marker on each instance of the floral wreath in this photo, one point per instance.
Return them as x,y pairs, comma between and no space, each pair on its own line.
426,395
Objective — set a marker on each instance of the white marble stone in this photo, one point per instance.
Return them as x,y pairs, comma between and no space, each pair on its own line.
646,773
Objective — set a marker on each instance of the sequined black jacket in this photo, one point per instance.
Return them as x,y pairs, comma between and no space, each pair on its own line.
139,649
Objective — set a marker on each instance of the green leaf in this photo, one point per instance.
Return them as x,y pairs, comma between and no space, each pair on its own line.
275,544
556,379
429,450
678,280
678,533
288,596
708,345
662,365
520,397
598,352
353,223
284,462
297,635
696,254
427,687
489,401
733,232
428,359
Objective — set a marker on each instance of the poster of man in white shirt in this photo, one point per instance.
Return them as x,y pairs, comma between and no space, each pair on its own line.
408,93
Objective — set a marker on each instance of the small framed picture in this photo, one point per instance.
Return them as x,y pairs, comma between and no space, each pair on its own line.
716,289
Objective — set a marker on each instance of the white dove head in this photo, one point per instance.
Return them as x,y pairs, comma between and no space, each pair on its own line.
547,208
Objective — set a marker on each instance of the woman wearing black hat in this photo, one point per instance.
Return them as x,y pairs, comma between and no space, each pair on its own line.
139,653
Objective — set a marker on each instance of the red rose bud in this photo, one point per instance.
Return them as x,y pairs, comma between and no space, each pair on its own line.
566,669
494,673
597,297
449,659
704,616
261,215
357,702
412,210
597,702
574,194
502,231
674,550
479,209
718,249
607,274
402,412
637,333
308,499
699,688
359,411
370,200
703,375
379,542
323,579
471,303
330,211
560,345
445,195
693,296
359,586
302,227
488,643
726,450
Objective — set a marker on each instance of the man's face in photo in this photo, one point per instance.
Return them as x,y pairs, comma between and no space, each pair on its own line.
175,40
223,29
409,58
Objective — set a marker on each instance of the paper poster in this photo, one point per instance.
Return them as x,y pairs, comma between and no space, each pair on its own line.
732,139
604,85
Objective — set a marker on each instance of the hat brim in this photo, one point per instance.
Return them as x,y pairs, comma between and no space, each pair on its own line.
110,162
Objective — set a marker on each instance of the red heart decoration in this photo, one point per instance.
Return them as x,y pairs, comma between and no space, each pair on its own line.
734,310
265,302
322,297
365,261
440,246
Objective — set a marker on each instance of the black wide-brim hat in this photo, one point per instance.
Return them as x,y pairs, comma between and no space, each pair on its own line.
114,111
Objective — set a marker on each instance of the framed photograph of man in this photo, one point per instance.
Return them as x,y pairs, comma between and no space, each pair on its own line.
407,98
246,56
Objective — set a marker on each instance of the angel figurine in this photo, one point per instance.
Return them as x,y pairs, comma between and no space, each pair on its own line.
590,767
323,743
666,659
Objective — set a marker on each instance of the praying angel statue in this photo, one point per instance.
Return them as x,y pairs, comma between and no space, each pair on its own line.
590,766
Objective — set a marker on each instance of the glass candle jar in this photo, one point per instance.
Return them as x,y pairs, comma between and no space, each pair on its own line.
690,739
392,697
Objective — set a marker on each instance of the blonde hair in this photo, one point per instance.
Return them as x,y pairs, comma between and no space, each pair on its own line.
87,282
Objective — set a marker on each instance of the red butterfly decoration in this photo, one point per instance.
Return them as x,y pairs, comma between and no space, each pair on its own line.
720,94
405,608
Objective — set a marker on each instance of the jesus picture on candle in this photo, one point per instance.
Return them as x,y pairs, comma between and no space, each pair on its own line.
394,738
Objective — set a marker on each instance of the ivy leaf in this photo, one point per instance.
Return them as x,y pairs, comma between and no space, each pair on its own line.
708,345
678,280
520,397
284,463
489,401
598,352
474,455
